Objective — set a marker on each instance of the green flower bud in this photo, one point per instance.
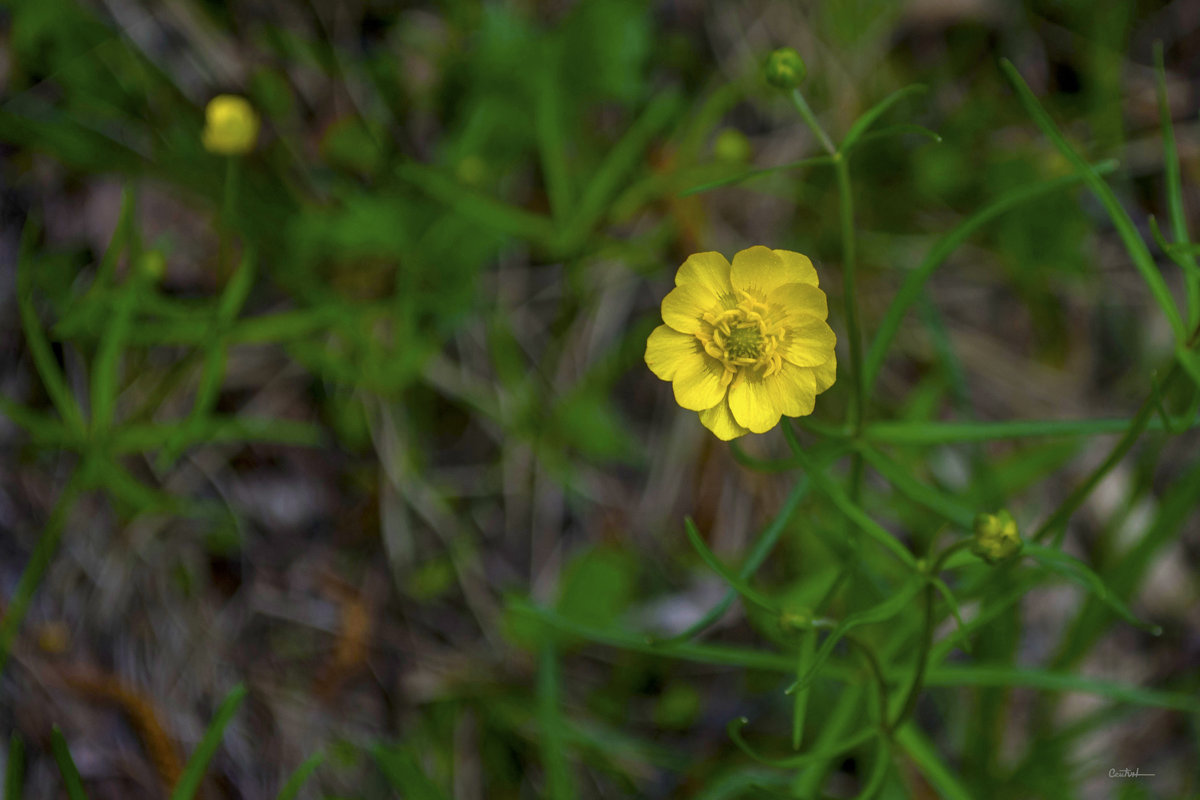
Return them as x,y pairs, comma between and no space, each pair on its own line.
732,145
785,68
795,619
996,537
152,264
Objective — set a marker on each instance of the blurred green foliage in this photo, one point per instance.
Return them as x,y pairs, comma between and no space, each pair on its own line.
429,233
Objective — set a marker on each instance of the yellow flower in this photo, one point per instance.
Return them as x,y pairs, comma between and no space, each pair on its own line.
747,343
230,126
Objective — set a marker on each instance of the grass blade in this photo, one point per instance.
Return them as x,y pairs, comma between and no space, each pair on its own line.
39,347
1075,570
14,769
300,777
559,785
925,756
1134,244
927,433
918,492
914,283
1045,680
735,583
402,771
864,122
193,772
763,546
1191,273
31,576
66,765
755,173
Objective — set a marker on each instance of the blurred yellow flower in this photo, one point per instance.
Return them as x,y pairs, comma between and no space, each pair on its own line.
746,343
230,126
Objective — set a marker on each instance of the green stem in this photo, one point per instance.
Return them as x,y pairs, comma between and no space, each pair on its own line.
228,203
918,681
841,166
811,120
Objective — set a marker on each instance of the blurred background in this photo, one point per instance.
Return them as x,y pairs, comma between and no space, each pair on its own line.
429,402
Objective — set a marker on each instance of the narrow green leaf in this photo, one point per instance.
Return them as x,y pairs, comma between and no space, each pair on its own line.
1191,272
66,765
735,583
685,651
763,545
925,756
882,612
193,772
548,122
1074,569
14,768
559,785
106,367
1000,675
31,576
821,480
45,430
893,131
300,777
756,173
904,482
1134,244
613,171
403,772
914,283
808,643
828,751
863,123
39,346
1189,362
926,433
470,203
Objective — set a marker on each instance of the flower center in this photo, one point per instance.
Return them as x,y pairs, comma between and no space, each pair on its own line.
742,336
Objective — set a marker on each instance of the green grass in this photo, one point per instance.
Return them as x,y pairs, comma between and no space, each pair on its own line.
427,292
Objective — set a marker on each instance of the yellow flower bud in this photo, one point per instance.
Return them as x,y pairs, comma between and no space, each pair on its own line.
785,69
996,537
230,126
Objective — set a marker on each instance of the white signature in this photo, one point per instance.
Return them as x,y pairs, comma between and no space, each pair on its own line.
1129,773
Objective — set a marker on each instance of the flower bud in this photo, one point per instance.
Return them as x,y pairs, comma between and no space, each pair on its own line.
996,537
230,126
153,265
785,69
731,145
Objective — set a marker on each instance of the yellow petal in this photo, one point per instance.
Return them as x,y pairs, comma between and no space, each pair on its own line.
719,419
795,390
826,374
808,341
753,403
792,299
798,266
668,350
760,270
697,383
710,270
684,305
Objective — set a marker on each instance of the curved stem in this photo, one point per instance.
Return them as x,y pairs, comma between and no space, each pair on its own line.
918,681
